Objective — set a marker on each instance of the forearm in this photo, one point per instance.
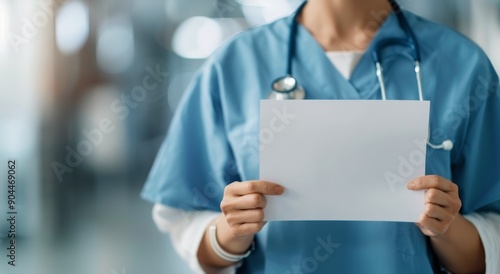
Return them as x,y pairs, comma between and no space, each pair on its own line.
460,249
226,240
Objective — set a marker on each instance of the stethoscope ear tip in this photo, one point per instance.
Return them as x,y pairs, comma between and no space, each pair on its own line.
447,145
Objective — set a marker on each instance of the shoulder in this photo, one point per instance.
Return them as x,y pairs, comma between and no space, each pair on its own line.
256,42
448,43
247,57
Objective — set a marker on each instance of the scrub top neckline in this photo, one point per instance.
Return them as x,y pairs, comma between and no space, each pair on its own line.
362,83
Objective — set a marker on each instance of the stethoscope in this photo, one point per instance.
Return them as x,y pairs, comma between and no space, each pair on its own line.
287,87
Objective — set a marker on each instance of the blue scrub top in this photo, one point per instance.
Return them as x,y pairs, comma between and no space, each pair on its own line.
214,140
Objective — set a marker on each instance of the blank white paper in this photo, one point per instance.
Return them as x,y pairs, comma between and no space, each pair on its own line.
344,159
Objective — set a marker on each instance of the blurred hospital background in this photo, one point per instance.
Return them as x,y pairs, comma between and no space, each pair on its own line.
103,78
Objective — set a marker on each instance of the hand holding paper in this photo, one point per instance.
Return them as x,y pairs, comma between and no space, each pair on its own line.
242,206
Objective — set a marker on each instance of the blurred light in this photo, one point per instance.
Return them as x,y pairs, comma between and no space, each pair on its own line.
72,26
178,11
109,151
197,38
260,12
115,46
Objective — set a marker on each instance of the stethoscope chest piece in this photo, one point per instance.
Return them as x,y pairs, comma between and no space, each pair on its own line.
287,88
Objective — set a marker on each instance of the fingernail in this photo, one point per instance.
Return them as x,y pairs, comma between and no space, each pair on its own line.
279,189
411,184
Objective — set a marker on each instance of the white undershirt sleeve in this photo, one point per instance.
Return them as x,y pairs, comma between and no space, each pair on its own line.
488,226
186,229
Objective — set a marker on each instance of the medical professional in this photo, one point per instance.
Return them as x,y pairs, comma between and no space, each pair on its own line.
205,181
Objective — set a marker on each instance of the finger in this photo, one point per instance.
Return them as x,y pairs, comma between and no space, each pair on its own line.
247,229
436,212
432,181
263,187
431,226
245,216
426,231
250,201
437,197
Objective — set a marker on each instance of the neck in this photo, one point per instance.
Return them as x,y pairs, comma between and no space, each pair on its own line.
344,25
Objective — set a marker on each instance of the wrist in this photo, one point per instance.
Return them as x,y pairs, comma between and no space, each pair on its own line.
229,242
